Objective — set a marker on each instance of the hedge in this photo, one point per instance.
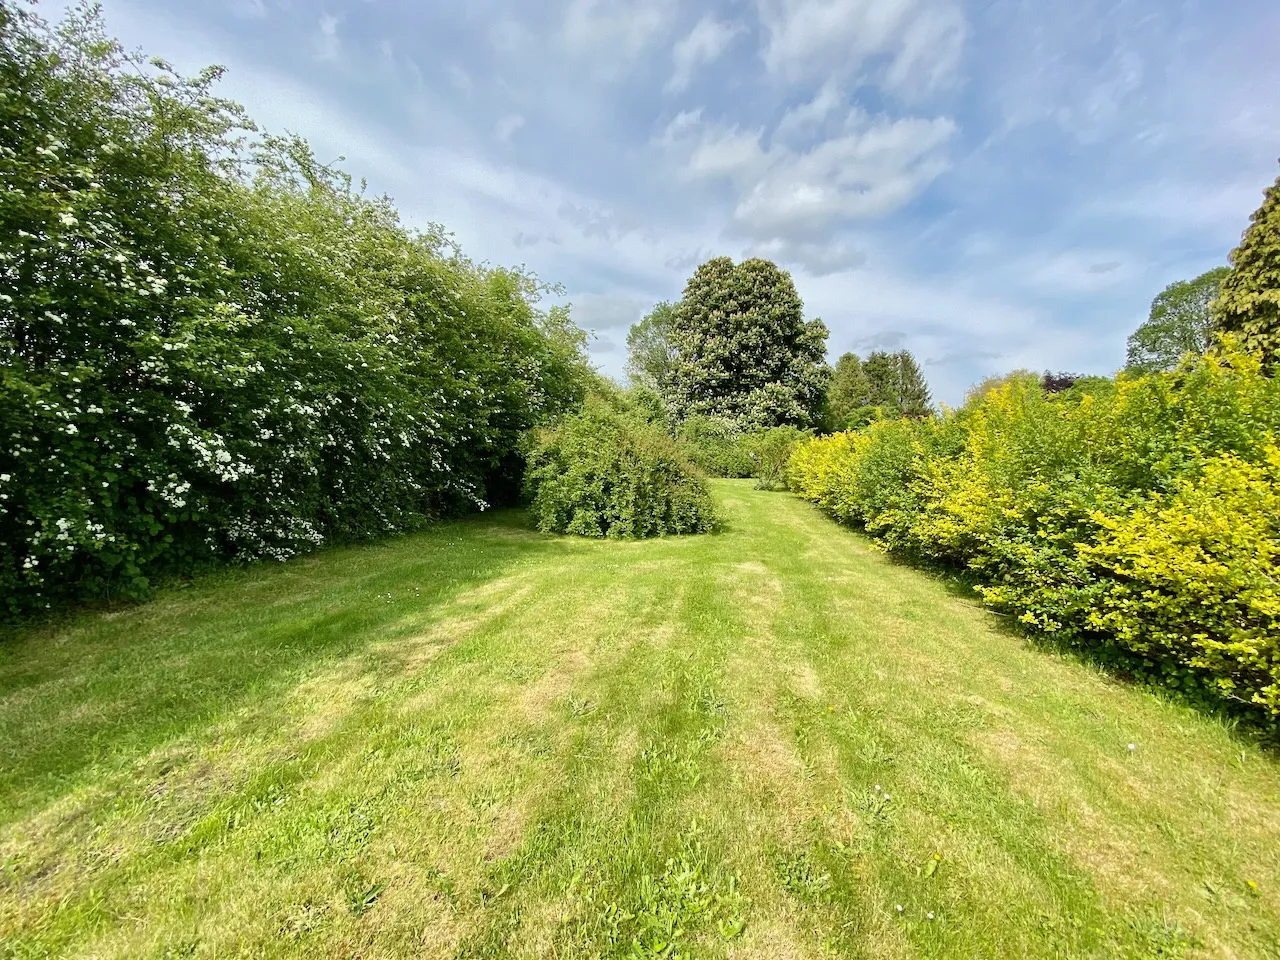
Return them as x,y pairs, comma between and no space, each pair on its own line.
214,348
1138,519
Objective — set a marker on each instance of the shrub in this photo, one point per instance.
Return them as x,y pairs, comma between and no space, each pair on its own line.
603,472
769,451
1137,518
215,349
715,446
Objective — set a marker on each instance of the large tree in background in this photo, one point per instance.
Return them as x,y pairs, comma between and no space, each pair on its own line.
743,351
883,385
913,391
896,385
649,351
1249,304
847,397
1181,322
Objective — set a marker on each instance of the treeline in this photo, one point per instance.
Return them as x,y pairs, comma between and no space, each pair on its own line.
214,348
1136,517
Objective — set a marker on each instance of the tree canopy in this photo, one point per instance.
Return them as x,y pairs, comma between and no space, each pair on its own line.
848,394
1249,304
649,351
1181,322
743,351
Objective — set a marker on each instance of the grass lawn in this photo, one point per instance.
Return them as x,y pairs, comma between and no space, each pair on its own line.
482,742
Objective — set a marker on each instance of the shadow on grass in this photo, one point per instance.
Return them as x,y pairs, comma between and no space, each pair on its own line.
107,687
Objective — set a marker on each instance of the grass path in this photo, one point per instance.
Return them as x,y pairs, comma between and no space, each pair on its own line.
483,742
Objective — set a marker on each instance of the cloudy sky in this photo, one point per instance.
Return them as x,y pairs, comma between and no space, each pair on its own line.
990,183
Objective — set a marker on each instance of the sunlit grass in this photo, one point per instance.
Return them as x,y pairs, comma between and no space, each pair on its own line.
483,742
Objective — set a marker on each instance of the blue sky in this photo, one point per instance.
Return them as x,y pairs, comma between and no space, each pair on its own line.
991,184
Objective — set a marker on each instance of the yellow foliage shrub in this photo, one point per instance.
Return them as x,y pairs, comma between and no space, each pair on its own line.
1138,518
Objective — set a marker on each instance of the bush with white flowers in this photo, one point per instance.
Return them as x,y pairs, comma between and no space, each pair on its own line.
213,348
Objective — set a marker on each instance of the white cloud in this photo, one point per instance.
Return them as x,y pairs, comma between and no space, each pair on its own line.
596,312
929,50
613,33
871,168
249,9
920,41
814,259
1032,252
811,115
708,40
1079,271
509,36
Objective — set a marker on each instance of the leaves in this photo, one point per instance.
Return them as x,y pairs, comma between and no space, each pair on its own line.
1181,323
606,472
1138,518
743,352
1249,305
213,348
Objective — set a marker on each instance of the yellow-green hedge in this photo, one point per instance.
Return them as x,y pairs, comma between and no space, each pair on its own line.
1140,519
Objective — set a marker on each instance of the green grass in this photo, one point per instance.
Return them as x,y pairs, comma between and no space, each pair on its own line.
484,742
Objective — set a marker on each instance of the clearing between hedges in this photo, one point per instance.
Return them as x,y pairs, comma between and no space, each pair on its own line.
481,741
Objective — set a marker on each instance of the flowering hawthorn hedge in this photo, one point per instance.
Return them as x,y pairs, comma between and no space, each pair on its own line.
212,348
1140,519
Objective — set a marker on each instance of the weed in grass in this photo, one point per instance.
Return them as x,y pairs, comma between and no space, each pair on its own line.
802,876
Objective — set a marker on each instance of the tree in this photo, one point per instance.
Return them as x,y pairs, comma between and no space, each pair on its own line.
1249,304
743,350
913,391
848,393
1181,322
1059,382
882,375
895,384
649,352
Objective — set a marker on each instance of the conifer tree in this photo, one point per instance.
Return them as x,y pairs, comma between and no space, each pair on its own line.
848,394
913,391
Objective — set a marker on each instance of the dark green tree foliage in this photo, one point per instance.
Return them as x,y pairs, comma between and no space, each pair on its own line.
1249,304
913,391
607,471
1181,322
890,385
847,397
743,351
881,372
649,351
212,348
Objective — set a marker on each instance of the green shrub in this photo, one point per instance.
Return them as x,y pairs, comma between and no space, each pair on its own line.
715,446
604,472
1138,518
214,349
769,451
